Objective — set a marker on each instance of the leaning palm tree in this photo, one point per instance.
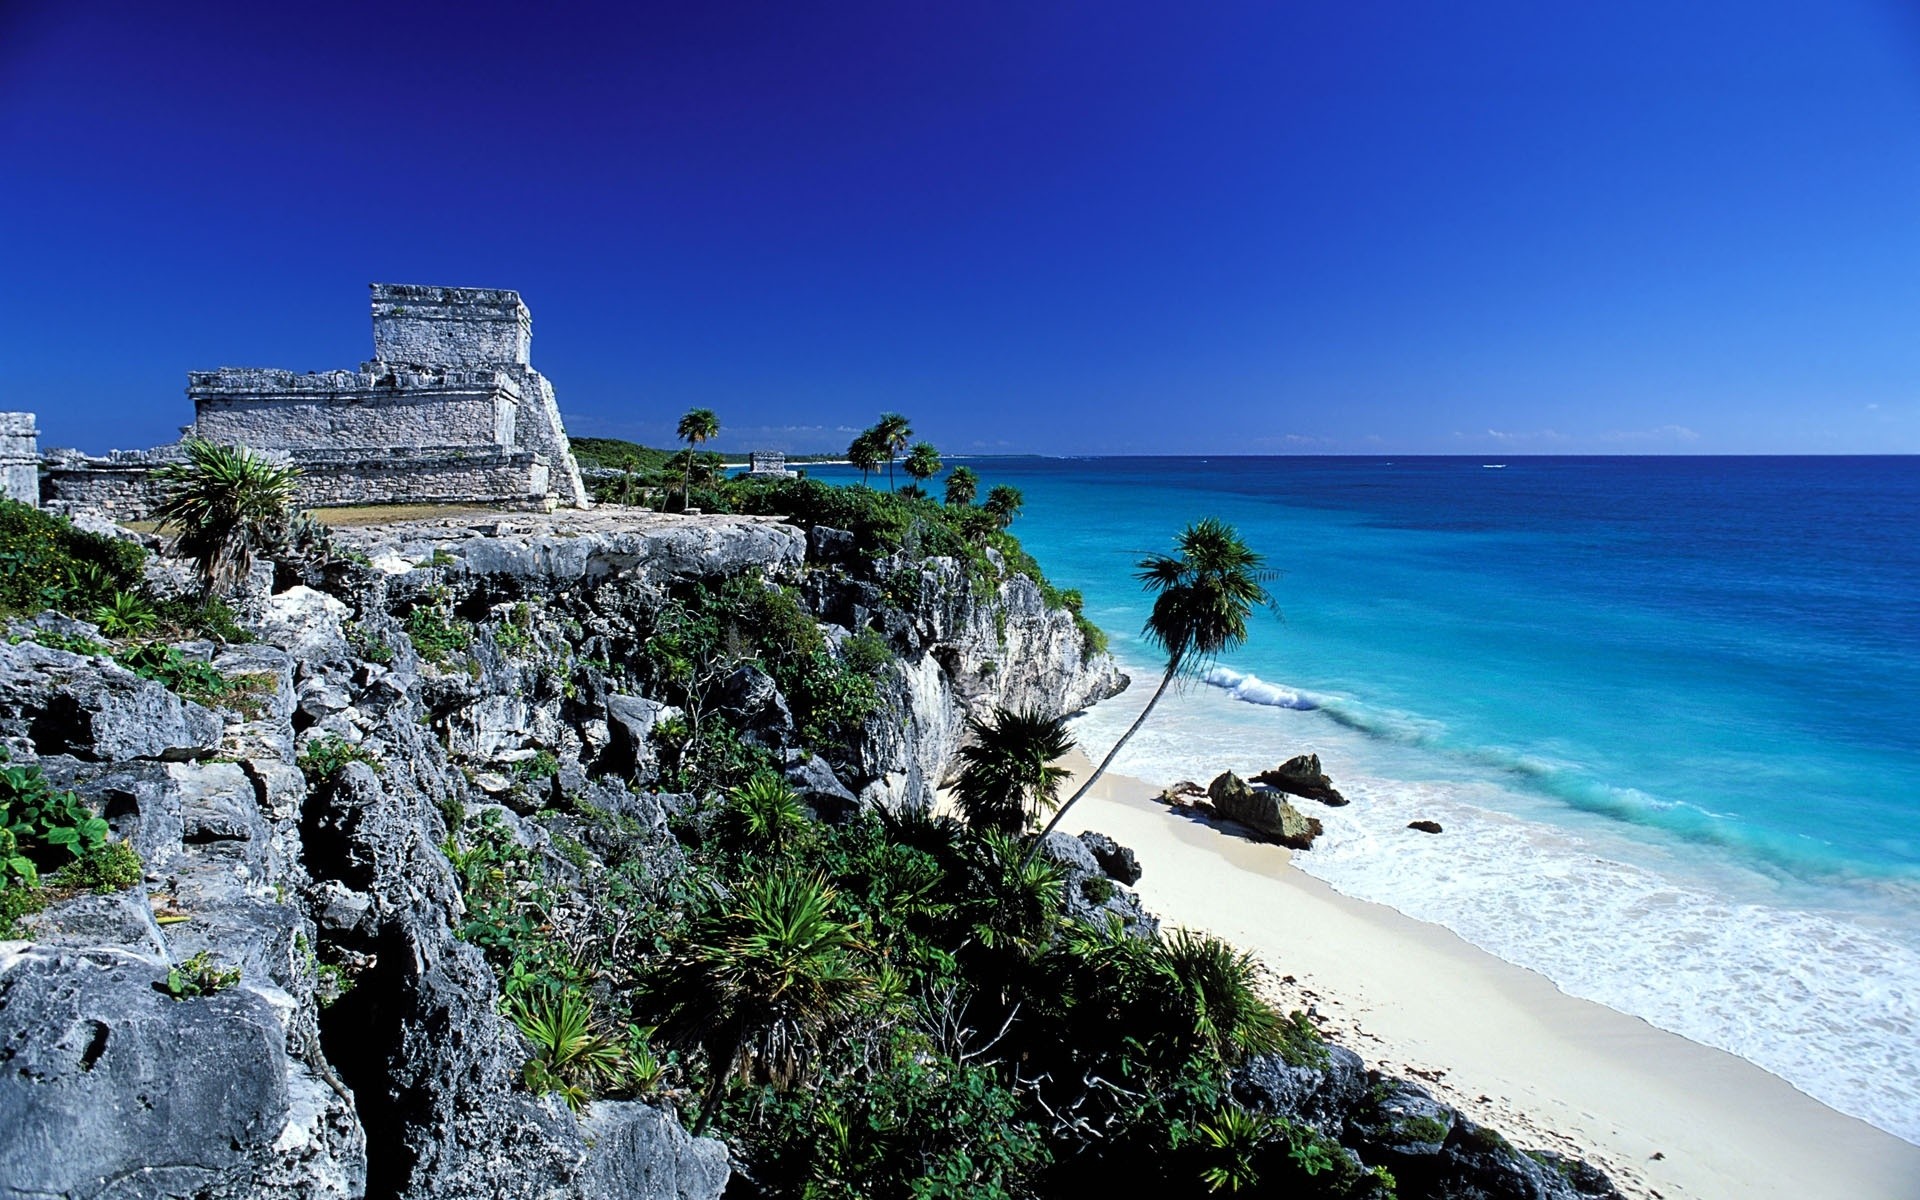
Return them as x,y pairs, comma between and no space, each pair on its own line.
1204,595
225,504
1007,772
866,453
923,463
894,434
1004,503
962,486
762,982
699,425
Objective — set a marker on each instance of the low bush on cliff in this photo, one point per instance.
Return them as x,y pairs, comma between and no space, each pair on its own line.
883,523
46,563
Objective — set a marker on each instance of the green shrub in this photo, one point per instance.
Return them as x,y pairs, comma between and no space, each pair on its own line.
46,563
436,633
199,976
108,867
46,826
186,677
324,756
125,614
543,765
71,643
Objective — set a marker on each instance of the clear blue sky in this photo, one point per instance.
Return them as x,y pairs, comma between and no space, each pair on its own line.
1103,227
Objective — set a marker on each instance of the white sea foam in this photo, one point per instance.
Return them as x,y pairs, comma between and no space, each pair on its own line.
1254,690
1817,997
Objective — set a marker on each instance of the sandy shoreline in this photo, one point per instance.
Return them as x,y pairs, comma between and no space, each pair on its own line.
1665,1116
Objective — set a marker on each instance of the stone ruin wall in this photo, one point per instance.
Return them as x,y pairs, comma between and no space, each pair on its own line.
120,485
19,458
401,409
449,411
480,327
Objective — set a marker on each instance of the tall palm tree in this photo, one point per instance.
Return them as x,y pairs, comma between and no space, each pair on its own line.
762,982
699,425
866,452
1007,773
894,433
226,504
962,486
1004,503
923,462
1203,597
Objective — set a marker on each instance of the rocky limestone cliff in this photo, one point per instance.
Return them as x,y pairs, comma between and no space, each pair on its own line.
409,1084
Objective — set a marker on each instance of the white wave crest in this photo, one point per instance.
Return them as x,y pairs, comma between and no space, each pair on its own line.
1254,690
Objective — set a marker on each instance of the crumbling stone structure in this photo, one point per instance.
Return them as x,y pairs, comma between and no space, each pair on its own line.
448,411
19,458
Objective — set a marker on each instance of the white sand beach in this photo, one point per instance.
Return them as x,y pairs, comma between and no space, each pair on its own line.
1666,1117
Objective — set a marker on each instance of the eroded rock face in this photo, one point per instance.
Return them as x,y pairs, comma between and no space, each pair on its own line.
93,708
111,1087
1119,862
1264,811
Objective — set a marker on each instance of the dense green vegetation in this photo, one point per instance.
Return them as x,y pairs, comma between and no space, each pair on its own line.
46,563
894,1007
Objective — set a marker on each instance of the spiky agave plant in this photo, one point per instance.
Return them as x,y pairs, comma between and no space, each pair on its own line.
570,1056
1211,988
764,814
125,614
760,983
225,504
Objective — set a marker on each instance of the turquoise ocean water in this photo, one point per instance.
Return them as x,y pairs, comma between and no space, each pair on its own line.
1668,710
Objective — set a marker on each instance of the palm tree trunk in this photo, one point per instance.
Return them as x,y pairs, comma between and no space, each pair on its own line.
1173,669
686,478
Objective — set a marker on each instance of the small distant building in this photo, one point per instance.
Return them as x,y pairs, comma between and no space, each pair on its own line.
448,411
19,458
768,464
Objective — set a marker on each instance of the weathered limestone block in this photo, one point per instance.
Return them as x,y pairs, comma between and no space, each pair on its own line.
19,458
93,708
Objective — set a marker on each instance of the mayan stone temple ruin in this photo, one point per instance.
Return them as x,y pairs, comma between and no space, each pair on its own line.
448,411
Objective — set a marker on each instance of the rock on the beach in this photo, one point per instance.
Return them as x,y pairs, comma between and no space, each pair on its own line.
1184,792
1265,811
1119,862
1424,826
1302,776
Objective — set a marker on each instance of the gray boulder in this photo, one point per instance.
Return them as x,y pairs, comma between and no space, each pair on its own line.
753,701
1117,861
1302,776
826,544
110,1087
631,721
821,790
93,708
1402,1120
642,1153
1321,1095
1264,811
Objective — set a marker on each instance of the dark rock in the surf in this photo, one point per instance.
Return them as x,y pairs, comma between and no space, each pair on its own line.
1119,862
1263,810
1302,776
1424,826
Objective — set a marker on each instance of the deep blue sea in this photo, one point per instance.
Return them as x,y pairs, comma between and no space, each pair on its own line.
1667,709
